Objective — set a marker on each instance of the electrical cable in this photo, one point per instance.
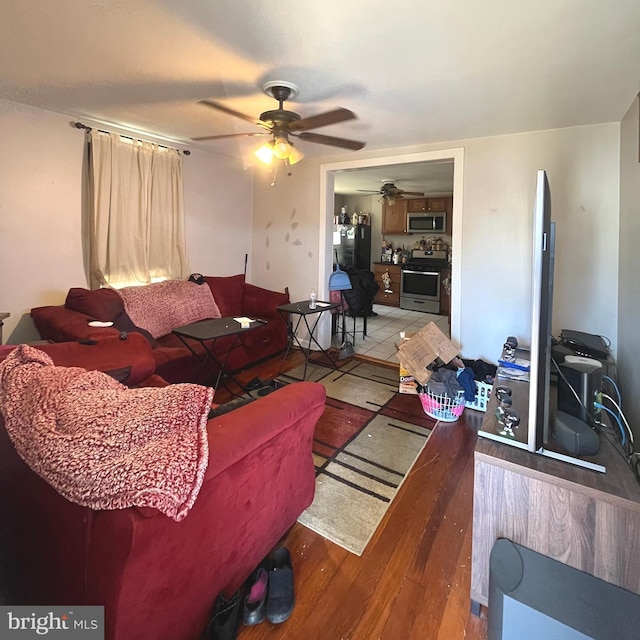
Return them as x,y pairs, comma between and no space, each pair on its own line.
615,386
617,406
601,406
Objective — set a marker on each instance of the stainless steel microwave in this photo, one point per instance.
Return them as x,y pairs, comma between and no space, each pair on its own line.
427,222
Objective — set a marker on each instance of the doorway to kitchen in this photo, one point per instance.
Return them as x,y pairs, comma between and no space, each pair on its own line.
392,317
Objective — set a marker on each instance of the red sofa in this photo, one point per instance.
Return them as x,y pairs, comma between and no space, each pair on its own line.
158,578
233,296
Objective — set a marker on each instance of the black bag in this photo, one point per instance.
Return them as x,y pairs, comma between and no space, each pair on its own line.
363,289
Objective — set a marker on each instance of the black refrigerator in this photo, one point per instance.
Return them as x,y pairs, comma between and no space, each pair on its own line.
352,246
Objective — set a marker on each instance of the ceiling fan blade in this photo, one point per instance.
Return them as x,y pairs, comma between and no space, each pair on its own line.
322,119
369,190
231,135
232,112
410,193
331,141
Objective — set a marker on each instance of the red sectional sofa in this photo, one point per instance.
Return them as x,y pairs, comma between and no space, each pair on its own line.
158,578
232,295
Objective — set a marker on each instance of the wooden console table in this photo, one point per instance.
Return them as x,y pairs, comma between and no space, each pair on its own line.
585,519
3,317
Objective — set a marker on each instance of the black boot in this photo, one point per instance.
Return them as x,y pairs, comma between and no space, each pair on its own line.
224,623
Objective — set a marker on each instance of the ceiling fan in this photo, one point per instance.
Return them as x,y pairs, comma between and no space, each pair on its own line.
281,124
390,193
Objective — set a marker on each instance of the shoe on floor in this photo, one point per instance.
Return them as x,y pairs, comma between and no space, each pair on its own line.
280,599
226,618
255,602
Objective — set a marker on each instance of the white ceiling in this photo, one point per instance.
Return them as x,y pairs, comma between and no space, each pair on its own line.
414,72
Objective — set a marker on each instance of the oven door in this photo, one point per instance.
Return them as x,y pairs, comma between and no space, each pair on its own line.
420,290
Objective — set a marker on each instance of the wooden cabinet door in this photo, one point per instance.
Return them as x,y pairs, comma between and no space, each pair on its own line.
391,295
416,205
394,218
437,204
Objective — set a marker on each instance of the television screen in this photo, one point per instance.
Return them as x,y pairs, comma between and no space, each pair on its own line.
541,312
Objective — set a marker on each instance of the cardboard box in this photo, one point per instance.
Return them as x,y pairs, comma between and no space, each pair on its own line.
422,348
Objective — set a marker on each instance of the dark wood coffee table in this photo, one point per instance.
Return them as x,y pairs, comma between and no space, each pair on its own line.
207,332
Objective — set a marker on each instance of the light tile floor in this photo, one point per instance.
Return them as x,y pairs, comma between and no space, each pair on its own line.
383,330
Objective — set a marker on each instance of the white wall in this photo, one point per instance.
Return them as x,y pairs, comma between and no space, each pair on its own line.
499,184
218,199
629,266
41,254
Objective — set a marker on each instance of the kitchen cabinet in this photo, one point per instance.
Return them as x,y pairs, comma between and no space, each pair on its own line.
437,204
445,292
390,296
394,218
416,205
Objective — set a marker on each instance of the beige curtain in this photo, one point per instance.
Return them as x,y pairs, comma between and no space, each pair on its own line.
136,212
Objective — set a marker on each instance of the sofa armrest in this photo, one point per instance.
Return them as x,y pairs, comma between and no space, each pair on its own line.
109,355
261,303
235,434
60,324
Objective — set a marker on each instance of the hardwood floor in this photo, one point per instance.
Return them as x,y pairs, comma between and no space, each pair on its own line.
413,579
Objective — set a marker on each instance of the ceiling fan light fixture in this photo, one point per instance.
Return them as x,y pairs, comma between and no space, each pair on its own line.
265,152
281,147
295,155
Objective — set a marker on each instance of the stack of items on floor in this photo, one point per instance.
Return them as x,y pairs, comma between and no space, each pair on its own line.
431,367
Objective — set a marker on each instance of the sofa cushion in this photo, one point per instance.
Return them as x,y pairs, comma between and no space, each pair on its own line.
102,304
228,292
160,307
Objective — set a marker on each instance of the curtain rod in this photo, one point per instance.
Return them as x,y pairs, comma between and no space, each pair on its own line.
80,125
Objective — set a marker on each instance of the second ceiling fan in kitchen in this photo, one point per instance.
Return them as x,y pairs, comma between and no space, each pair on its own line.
281,125
389,193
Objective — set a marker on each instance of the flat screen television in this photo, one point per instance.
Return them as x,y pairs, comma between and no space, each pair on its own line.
542,422
535,434
541,315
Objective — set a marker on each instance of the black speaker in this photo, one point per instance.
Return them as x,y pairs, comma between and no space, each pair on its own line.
585,378
573,435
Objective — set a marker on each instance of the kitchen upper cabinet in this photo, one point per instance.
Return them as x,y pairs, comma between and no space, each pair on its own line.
441,203
387,295
394,218
416,205
437,204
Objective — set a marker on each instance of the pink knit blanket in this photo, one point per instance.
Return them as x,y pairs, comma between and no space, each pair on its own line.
100,444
